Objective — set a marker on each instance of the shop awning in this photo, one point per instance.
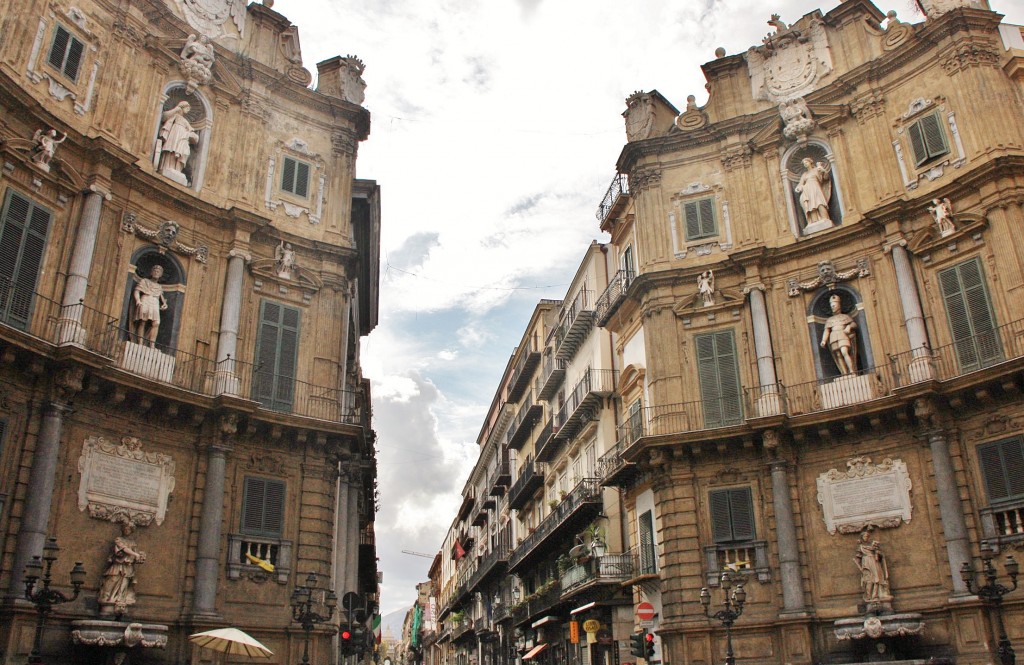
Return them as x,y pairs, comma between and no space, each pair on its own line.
534,651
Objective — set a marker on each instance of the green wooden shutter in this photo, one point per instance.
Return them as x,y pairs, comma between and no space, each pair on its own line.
707,218
648,559
66,53
927,139
74,59
276,356
718,373
295,177
970,316
59,47
262,507
301,179
1002,465
22,245
732,515
288,175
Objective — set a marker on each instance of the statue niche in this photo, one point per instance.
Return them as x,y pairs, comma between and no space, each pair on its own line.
179,147
152,301
839,334
809,175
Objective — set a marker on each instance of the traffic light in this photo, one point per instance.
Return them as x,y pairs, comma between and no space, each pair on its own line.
636,644
648,646
345,643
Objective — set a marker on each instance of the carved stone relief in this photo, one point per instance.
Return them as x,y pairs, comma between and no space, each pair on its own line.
828,277
123,484
866,495
196,61
216,18
791,61
165,237
639,115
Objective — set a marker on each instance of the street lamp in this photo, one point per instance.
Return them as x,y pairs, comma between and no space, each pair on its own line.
992,593
732,608
306,603
43,597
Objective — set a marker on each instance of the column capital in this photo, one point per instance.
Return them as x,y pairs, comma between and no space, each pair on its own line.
897,241
756,286
242,254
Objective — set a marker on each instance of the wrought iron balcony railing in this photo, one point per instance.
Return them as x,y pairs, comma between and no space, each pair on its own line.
586,493
600,569
531,477
618,189
575,323
613,296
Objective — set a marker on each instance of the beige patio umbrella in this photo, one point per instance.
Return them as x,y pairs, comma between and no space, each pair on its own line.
231,641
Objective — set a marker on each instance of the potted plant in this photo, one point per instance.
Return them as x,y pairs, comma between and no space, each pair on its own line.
552,504
596,539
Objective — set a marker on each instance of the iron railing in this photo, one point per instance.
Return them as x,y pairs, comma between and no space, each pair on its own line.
613,296
587,490
618,187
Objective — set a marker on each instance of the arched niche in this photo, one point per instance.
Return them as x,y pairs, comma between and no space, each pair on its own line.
173,282
794,170
177,132
819,312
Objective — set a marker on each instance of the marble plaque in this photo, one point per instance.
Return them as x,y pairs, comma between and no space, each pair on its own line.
122,483
865,495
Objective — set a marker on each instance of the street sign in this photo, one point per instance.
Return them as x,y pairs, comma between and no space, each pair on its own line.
645,611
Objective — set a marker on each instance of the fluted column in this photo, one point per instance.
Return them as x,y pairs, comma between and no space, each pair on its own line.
71,330
230,312
913,317
785,535
204,597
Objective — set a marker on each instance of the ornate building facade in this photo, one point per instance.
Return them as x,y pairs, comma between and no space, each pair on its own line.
188,264
819,302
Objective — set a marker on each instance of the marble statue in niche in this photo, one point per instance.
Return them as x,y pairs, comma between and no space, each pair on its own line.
815,190
706,287
809,174
284,260
149,301
874,571
45,147
174,142
117,591
942,213
840,337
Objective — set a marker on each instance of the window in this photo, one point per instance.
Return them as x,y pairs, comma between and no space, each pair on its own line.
732,515
700,219
277,349
970,316
66,53
1002,466
648,557
927,139
23,230
295,177
262,507
634,421
719,378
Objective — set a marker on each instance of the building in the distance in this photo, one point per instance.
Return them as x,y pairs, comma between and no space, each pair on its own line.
818,322
187,265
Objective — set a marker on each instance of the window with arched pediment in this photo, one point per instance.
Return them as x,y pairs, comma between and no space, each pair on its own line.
182,137
809,176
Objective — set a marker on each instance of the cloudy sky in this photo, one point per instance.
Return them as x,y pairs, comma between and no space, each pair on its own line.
496,127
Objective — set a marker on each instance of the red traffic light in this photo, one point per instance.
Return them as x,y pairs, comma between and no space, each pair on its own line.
345,635
649,637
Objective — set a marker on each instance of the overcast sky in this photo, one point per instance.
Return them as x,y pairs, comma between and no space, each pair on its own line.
496,128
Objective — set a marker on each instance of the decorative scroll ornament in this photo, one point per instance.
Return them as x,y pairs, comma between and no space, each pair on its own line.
166,237
692,118
828,277
196,62
865,496
791,61
123,484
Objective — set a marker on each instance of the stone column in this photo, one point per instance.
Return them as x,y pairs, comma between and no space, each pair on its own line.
352,531
767,402
230,311
70,330
204,596
920,368
785,534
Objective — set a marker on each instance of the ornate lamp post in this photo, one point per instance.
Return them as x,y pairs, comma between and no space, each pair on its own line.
42,596
306,603
992,593
732,608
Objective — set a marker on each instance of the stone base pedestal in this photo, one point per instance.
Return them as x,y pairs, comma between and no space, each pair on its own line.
118,638
147,361
176,176
848,389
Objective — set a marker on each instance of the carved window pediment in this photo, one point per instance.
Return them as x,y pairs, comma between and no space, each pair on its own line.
65,56
934,249
699,220
296,181
302,285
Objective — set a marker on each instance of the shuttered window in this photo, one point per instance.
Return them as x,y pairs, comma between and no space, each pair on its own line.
719,377
927,139
700,218
262,507
732,515
277,348
295,177
648,558
23,233
970,316
634,421
1002,465
66,53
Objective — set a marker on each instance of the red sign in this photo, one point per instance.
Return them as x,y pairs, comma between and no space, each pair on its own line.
645,611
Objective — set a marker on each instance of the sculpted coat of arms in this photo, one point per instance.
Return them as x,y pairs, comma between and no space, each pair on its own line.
790,62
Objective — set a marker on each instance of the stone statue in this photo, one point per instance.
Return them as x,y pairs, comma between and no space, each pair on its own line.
815,190
45,147
284,256
117,590
706,287
942,212
197,61
174,143
874,572
149,300
840,337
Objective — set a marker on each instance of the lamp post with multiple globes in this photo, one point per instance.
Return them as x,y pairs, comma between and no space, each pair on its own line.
992,592
39,593
307,602
732,608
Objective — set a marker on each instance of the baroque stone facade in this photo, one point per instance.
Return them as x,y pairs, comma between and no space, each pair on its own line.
189,265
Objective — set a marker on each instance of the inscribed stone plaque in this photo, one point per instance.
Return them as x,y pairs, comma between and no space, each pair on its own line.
122,483
865,495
